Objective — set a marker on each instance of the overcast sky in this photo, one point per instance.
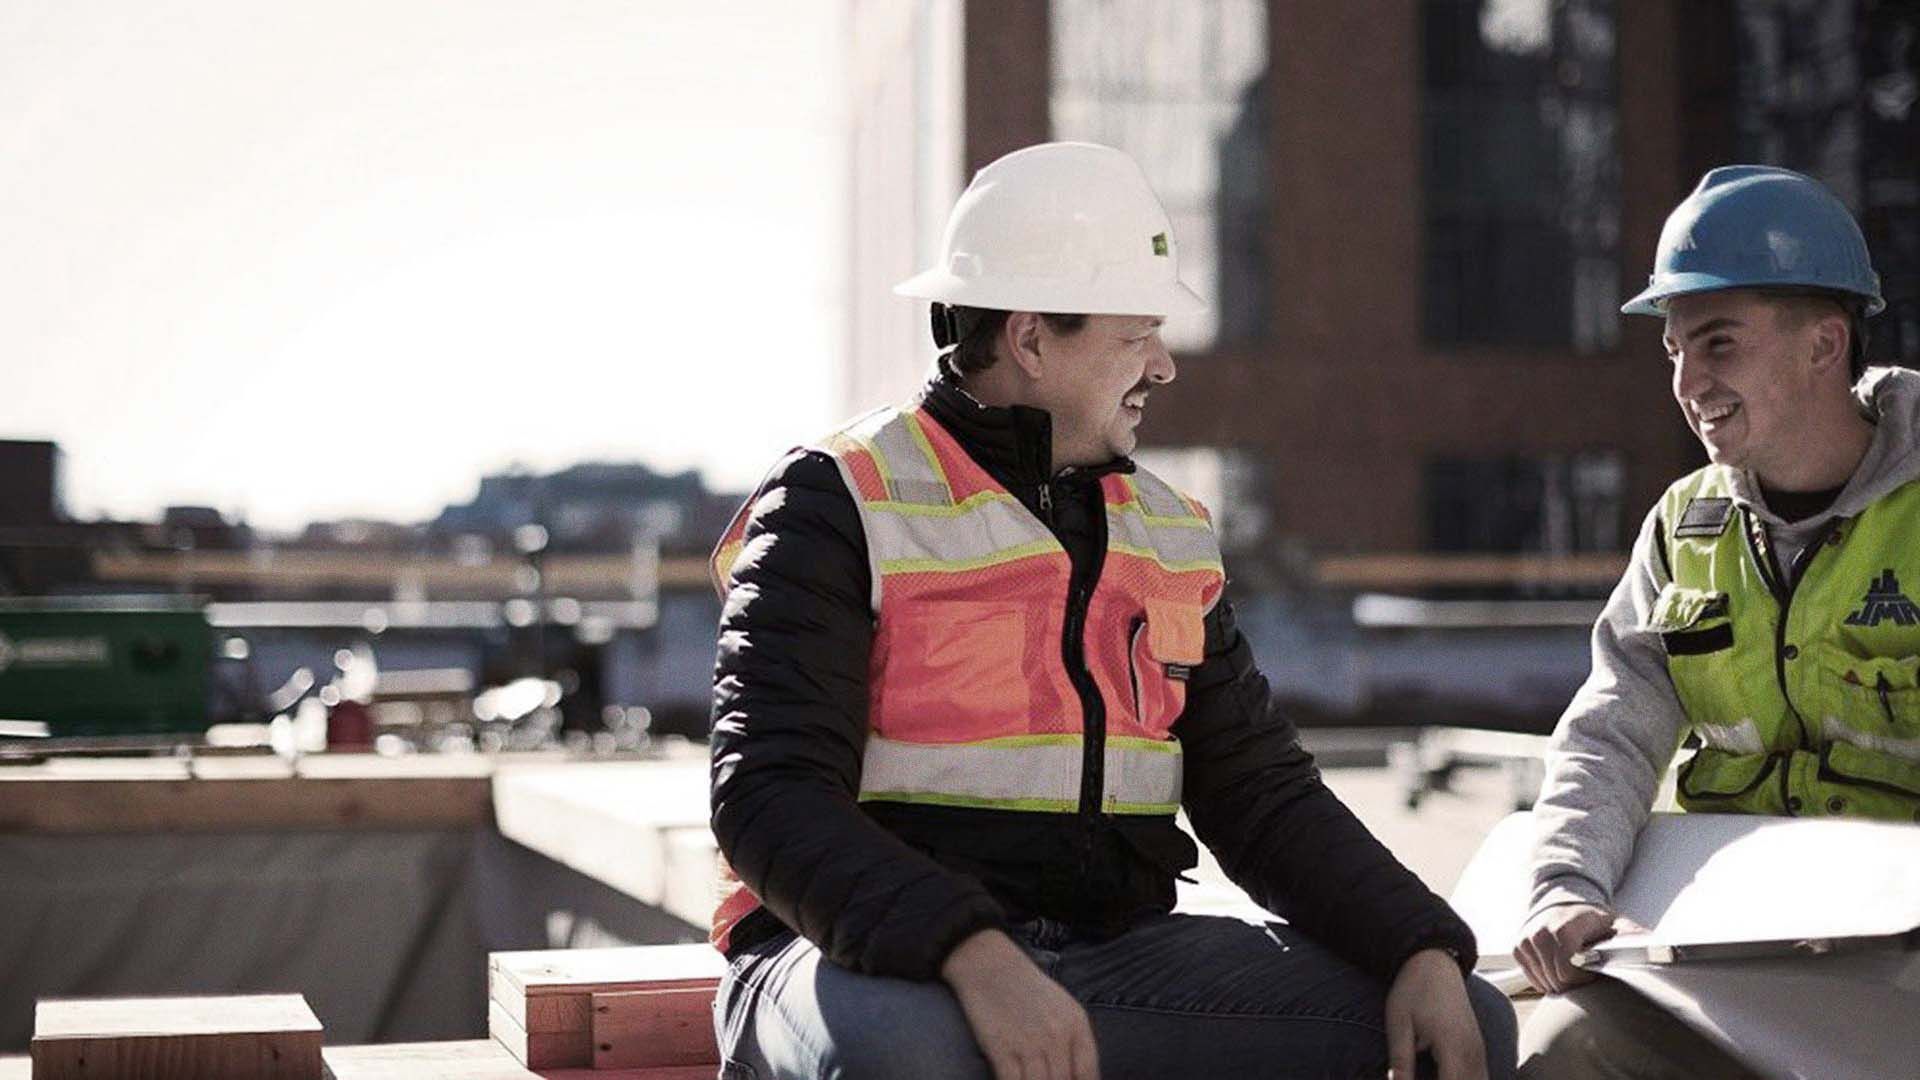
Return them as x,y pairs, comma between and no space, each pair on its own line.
315,260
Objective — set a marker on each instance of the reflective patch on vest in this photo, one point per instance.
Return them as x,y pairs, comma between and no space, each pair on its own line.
1705,517
1893,746
1741,738
1885,601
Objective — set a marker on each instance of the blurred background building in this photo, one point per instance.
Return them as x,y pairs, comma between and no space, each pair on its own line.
1416,223
1425,431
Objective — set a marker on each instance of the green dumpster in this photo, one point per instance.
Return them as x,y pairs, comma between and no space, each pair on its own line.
98,667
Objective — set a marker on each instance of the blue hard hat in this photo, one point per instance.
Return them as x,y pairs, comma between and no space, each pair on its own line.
1751,226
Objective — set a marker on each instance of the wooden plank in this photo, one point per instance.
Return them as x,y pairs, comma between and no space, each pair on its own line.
659,1073
480,1059
1415,570
260,1035
189,805
632,826
657,967
635,1029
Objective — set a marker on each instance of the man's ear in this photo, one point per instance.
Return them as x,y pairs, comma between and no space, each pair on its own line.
1832,341
1021,339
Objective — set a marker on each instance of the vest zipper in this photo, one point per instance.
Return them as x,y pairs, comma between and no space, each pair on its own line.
1783,596
1046,502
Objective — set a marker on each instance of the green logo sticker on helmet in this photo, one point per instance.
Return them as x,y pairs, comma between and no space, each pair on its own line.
1160,243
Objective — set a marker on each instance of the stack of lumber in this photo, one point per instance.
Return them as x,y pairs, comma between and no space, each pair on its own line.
646,1012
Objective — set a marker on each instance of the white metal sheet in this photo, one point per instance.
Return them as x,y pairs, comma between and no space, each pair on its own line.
1701,879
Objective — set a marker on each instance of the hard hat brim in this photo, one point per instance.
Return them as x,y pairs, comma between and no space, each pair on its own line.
1049,296
1653,299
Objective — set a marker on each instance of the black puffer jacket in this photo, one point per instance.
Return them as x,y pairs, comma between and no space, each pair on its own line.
890,888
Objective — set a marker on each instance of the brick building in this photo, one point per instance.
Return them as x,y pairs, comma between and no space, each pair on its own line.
1416,221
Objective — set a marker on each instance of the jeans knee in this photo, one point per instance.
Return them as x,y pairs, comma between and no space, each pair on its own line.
893,1054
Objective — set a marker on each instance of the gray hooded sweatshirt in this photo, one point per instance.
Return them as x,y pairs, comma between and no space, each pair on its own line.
1617,737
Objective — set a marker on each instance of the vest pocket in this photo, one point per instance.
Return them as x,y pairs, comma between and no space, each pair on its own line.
1163,648
1696,630
1877,697
1714,780
935,659
1866,768
1691,622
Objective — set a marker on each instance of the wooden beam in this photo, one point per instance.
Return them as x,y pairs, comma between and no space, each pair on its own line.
265,1036
1417,570
215,795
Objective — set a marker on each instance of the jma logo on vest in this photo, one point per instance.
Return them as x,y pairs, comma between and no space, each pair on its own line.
1885,601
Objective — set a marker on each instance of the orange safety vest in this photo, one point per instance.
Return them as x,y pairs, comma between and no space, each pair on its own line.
970,701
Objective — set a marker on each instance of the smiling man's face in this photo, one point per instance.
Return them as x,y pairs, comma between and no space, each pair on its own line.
1096,384
1742,378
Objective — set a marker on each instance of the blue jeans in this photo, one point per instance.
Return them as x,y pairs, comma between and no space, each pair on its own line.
1178,996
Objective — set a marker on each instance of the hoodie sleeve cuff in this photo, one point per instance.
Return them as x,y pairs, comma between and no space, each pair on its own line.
1566,890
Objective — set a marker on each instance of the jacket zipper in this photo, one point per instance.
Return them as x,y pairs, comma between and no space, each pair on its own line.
1073,652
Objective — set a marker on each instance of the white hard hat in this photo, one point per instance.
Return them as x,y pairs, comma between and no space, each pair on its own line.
1065,228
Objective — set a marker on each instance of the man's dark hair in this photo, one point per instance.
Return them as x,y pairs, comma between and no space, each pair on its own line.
975,328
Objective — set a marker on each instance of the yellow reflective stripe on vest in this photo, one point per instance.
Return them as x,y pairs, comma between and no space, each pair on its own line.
1024,772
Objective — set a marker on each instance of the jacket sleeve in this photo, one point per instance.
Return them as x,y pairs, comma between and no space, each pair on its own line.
1257,801
789,729
1611,748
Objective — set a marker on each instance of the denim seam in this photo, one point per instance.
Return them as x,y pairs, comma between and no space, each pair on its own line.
1163,1010
772,1004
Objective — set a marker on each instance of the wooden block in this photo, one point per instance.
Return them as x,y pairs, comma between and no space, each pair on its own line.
542,1002
212,1038
474,1060
637,1029
566,1047
657,1073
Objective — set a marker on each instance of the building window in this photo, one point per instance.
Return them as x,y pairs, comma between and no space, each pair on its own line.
1520,170
1558,504
1831,89
1179,84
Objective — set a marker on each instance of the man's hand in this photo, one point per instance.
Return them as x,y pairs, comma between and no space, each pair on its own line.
1547,945
1427,1009
1028,1027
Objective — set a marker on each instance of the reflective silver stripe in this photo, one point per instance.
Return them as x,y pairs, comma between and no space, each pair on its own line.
987,525
1159,520
1177,548
1890,745
908,465
1037,773
911,478
1158,497
1741,738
